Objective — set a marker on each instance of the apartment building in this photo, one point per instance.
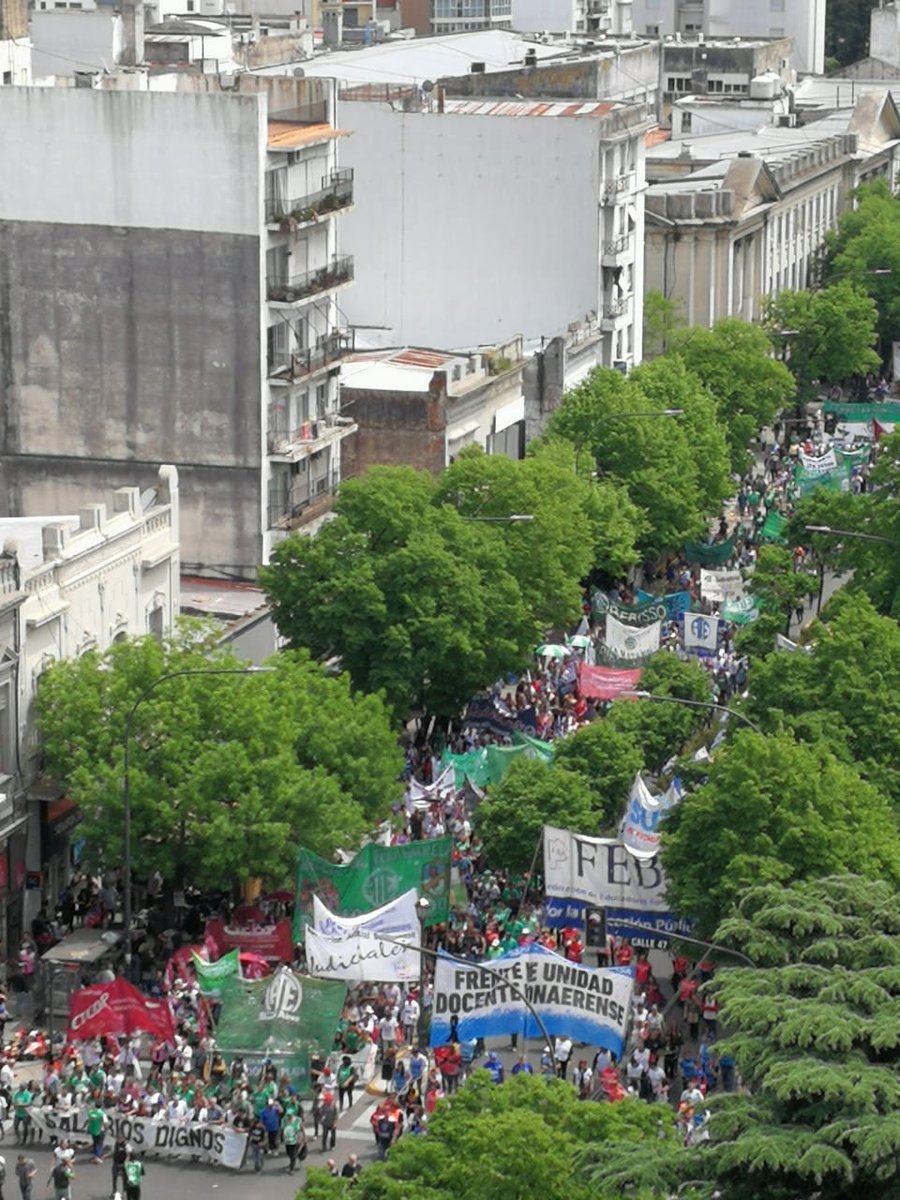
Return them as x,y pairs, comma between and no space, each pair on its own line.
173,275
15,43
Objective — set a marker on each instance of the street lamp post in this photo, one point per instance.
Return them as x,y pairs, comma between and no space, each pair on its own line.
126,781
850,533
512,519
707,704
423,904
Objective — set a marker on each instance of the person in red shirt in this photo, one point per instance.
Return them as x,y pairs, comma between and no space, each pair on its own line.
642,970
680,966
624,954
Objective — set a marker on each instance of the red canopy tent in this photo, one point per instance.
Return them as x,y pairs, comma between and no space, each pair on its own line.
117,1008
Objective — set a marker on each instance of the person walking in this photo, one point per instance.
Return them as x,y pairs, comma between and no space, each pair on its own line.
257,1141
134,1172
328,1116
294,1138
96,1124
25,1173
118,1160
347,1080
61,1178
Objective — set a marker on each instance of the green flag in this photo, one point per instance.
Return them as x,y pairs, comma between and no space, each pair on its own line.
885,410
773,527
281,1019
709,554
377,875
210,975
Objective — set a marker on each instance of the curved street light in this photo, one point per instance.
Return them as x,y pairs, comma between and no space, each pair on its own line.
707,704
850,533
126,781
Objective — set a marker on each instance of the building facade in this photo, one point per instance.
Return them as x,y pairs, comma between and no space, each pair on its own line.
15,43
196,319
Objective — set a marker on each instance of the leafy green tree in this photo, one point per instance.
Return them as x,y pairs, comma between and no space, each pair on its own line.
778,590
661,729
227,774
847,30
846,689
518,1141
774,810
608,760
733,362
662,318
836,510
864,250
816,1038
621,432
531,794
827,335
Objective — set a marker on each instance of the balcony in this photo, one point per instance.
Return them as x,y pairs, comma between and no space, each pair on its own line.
305,503
333,274
310,438
616,251
614,313
615,191
335,195
328,351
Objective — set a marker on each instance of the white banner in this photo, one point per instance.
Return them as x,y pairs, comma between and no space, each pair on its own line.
819,466
396,919
600,871
701,632
445,782
360,957
629,641
719,585
220,1143
640,825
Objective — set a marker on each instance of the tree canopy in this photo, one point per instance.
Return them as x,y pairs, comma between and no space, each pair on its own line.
661,729
864,252
827,334
227,773
425,594
847,30
773,809
608,760
521,1140
816,1038
778,590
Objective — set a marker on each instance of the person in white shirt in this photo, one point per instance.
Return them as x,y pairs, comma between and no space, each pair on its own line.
562,1052
411,1013
387,1031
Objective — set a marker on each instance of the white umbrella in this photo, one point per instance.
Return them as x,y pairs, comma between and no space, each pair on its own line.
580,641
550,650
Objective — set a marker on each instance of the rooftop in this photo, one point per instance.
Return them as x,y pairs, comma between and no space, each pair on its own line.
288,135
27,532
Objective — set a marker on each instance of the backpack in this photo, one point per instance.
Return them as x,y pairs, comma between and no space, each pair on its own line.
385,1127
61,1175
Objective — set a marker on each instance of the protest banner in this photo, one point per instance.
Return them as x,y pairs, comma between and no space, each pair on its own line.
117,1009
600,871
586,1004
885,410
210,974
175,1139
606,683
837,480
709,554
360,957
657,928
721,585
773,528
375,875
640,826
645,612
740,612
396,919
273,942
701,633
628,643
818,464
676,602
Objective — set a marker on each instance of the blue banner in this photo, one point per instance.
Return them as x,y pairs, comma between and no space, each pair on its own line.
676,602
496,998
620,922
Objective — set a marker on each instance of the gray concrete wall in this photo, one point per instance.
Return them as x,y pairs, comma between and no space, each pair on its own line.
121,348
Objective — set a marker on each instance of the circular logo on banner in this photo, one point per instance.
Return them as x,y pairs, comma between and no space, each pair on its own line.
381,886
283,998
630,642
700,628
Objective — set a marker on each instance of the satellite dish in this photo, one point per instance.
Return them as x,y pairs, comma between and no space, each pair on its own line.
428,86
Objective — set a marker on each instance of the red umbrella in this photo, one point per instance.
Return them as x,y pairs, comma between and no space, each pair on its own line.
254,966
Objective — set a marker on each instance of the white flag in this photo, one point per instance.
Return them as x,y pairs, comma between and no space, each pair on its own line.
701,632
630,642
360,957
719,585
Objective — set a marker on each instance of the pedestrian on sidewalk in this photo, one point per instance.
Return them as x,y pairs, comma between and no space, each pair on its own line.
25,1173
328,1116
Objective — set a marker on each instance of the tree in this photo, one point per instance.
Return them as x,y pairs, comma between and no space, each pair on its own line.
778,590
846,689
733,362
847,30
530,795
835,510
227,774
662,317
517,1141
662,729
417,602
774,810
621,432
827,335
815,1034
608,760
865,251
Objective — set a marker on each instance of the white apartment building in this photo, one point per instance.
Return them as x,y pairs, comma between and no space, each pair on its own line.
197,320
15,43
68,585
607,17
801,20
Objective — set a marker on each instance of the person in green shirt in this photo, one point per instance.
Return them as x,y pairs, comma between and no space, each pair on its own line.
96,1124
134,1169
21,1117
294,1140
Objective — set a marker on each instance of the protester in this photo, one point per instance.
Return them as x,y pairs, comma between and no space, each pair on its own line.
25,1173
134,1173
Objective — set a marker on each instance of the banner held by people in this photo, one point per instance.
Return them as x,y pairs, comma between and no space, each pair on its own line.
629,643
586,1004
640,825
397,919
117,1009
606,683
701,633
360,957
721,585
210,974
600,871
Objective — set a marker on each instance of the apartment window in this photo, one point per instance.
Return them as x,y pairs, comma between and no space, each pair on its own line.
7,76
686,122
678,83
277,343
321,401
777,31
651,30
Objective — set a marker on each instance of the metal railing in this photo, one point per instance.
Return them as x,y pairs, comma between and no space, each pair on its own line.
280,440
329,349
335,193
618,245
336,271
284,515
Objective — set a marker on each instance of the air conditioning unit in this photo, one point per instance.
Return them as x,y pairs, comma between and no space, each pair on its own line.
786,120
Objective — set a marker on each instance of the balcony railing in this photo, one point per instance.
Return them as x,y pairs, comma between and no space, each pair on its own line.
304,502
616,187
311,283
329,349
282,441
336,193
616,246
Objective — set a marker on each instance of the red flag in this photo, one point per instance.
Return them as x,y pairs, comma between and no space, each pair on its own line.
878,430
272,941
117,1008
606,683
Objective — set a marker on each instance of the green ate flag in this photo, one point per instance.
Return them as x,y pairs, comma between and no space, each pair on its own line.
281,1020
375,876
211,974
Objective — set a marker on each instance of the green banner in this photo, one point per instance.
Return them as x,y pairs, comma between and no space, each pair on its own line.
773,527
885,410
709,555
210,975
489,765
376,875
832,481
283,1018
740,612
471,765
